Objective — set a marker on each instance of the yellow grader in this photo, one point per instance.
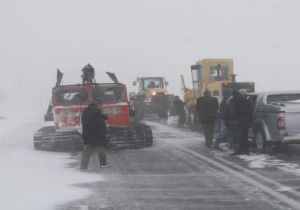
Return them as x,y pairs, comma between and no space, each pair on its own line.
215,75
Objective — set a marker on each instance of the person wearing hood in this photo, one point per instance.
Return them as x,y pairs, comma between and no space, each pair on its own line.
94,135
207,108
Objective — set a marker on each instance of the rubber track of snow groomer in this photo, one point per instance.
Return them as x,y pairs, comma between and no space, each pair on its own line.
137,135
47,139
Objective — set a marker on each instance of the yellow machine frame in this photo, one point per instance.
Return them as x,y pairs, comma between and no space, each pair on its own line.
210,74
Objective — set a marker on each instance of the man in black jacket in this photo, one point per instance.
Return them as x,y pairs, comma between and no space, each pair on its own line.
94,135
239,119
180,112
207,107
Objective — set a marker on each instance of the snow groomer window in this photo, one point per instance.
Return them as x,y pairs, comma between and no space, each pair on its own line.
109,94
71,96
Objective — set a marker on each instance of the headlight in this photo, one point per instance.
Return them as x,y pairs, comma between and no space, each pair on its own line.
153,93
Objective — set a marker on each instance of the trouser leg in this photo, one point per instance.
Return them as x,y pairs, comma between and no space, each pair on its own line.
239,141
230,135
235,139
85,156
208,129
222,135
247,147
204,127
243,139
181,119
211,132
102,155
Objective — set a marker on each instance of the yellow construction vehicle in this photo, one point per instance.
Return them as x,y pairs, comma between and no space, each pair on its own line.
211,74
215,75
188,93
152,97
189,100
151,86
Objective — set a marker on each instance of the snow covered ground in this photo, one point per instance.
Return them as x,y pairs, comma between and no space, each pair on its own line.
255,160
35,180
264,161
172,120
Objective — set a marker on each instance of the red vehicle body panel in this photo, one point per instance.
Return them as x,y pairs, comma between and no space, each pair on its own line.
67,115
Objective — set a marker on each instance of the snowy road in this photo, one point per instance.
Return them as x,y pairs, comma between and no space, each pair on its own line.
35,180
177,172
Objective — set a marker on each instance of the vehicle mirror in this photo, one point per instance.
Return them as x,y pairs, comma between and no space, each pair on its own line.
166,83
134,83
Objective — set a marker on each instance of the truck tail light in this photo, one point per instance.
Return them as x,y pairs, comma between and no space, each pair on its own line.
281,123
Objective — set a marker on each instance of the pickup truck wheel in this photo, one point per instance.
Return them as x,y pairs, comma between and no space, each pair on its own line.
260,141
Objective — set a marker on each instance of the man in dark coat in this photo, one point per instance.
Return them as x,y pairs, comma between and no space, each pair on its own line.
207,108
179,110
94,135
239,119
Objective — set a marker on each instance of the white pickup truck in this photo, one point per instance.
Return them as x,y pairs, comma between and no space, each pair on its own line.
276,118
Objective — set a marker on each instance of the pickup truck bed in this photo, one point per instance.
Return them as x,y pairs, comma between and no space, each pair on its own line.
276,117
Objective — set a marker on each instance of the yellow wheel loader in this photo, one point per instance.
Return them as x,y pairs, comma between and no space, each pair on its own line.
152,97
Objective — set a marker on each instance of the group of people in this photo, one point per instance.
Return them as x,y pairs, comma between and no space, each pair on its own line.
235,118
234,115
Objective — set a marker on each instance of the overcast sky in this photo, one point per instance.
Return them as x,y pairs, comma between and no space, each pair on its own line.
143,38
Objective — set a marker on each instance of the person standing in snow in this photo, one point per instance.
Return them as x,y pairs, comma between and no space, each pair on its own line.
94,135
179,110
240,120
207,108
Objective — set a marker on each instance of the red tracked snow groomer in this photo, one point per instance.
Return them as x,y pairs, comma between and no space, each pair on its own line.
68,102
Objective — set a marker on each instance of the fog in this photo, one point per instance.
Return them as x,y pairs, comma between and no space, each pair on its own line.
142,38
